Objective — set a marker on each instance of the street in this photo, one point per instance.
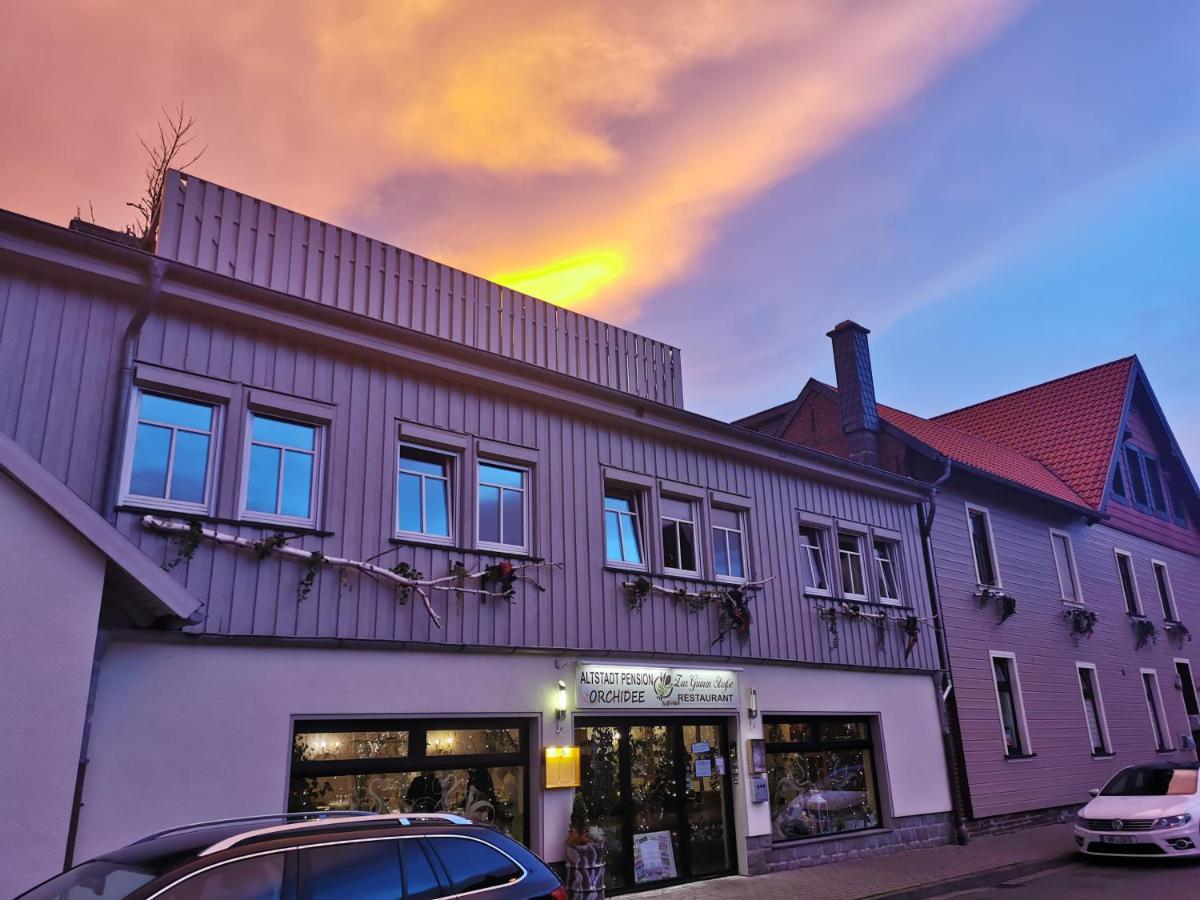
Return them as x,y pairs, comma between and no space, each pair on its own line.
1100,879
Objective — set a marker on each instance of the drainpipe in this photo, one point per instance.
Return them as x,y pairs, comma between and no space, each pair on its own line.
102,637
947,705
116,446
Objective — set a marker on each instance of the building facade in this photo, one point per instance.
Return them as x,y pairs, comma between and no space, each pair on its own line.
441,537
1067,566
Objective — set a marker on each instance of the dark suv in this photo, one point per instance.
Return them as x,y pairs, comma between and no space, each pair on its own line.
323,856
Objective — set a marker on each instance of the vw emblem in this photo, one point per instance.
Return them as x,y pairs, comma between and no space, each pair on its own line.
1118,824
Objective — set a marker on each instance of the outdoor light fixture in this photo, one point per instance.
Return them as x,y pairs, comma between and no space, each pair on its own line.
752,705
560,709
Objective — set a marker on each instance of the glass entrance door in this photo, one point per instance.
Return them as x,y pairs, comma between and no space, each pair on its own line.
659,791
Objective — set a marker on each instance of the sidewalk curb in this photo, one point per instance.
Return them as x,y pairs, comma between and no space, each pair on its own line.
984,878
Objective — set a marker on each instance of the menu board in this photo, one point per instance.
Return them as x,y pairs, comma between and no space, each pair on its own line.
653,856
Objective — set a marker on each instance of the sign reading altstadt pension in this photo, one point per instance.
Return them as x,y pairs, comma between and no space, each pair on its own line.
599,686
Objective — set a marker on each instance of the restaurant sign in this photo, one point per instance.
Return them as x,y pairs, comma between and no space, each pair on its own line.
601,686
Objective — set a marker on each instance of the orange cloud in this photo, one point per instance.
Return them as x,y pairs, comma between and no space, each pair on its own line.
584,151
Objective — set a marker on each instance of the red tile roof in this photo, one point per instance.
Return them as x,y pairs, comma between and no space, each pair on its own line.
1068,425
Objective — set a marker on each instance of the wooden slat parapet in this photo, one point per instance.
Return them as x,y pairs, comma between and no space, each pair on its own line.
218,229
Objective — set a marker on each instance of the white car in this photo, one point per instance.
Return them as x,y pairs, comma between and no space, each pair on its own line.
1151,810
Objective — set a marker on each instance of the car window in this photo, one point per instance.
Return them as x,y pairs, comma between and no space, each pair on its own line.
473,865
420,881
96,880
253,878
354,870
1146,781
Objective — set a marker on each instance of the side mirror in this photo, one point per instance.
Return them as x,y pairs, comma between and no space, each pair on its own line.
1094,792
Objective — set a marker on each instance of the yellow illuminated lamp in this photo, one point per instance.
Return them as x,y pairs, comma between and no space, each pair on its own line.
562,768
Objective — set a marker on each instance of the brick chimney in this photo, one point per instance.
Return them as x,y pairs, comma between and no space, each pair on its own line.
856,391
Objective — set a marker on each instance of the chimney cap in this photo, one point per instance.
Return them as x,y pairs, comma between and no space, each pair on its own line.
847,325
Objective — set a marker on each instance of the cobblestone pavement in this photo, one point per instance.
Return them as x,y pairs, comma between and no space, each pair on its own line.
908,872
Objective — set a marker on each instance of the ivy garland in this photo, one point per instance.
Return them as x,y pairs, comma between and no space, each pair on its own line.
911,626
270,544
829,615
732,603
1082,621
315,560
186,544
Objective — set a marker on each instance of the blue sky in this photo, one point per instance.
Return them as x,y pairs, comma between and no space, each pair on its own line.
1035,211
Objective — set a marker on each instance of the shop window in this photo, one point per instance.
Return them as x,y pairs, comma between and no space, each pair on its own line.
1163,582
622,528
503,507
850,558
475,768
1129,589
1012,708
282,464
821,776
680,556
983,548
812,549
887,570
729,544
172,452
423,494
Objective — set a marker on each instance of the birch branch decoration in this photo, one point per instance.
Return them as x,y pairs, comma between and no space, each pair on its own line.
496,580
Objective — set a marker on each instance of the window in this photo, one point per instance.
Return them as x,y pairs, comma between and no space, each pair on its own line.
811,761
1151,781
1012,710
1177,508
1093,709
812,549
729,545
622,528
252,878
1187,686
679,536
503,507
1118,481
987,573
1128,583
423,493
420,882
171,457
850,558
886,562
473,865
471,767
1137,478
369,870
1163,582
281,479
1157,498
1154,705
1064,562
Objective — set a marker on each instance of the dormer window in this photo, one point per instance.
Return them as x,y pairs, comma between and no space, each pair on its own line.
1137,480
1118,482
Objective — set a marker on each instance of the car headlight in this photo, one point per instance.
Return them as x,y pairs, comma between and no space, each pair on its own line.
1172,821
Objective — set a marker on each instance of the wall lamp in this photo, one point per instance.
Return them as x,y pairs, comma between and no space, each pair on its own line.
560,706
752,705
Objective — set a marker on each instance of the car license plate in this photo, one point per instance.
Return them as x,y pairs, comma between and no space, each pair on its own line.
1117,839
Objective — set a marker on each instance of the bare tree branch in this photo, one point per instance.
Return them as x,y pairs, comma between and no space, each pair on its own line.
175,136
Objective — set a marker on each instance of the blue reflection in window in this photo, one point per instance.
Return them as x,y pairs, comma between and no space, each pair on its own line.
408,502
171,446
180,413
262,487
282,470
190,467
287,434
489,514
297,484
151,455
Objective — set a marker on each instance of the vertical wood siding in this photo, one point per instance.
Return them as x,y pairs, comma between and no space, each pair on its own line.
59,345
220,230
1063,769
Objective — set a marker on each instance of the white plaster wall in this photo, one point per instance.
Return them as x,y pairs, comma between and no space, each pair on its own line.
50,587
185,732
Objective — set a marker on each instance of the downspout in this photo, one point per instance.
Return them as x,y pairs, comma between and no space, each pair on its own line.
947,703
116,444
102,638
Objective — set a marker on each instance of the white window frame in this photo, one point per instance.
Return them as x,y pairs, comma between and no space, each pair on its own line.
316,485
1071,564
991,539
1158,723
694,505
526,492
214,442
1169,600
741,536
453,464
1137,594
894,561
1101,714
1019,697
862,562
823,533
638,496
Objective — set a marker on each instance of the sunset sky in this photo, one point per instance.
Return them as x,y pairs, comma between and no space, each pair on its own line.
1003,191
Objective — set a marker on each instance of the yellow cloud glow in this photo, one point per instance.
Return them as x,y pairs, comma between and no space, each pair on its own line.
570,280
